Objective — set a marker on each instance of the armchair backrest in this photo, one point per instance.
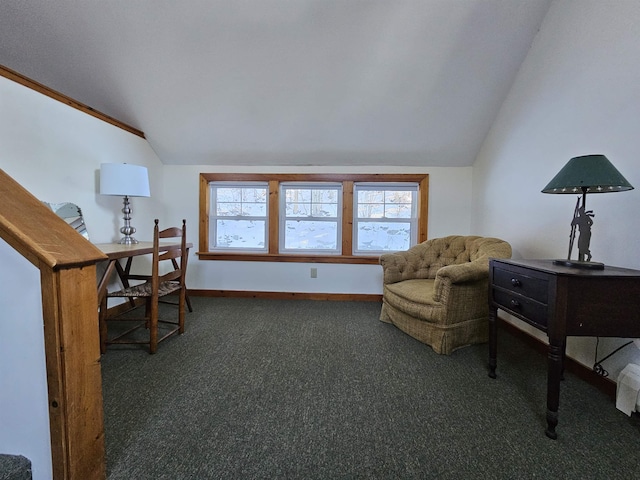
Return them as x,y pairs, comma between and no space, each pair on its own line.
440,252
483,248
425,259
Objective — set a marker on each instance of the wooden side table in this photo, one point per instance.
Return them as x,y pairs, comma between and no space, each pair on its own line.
562,302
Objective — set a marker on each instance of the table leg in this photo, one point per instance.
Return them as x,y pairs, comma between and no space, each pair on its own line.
493,340
564,359
104,281
123,274
553,386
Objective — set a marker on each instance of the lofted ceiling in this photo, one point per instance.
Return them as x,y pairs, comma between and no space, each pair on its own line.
282,82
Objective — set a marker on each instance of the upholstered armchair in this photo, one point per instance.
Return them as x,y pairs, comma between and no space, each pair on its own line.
437,290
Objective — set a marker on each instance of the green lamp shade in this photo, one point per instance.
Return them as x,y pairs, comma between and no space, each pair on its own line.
593,172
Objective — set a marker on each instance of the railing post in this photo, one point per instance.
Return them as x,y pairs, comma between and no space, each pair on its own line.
67,264
72,350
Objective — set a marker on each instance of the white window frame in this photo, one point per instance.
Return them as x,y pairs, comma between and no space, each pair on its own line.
213,217
413,220
337,186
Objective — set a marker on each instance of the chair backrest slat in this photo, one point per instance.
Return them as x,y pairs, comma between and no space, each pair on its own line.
169,254
171,232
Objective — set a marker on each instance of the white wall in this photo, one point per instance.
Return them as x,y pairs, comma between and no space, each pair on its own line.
449,213
577,93
55,152
24,411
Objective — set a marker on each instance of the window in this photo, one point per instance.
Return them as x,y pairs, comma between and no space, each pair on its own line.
319,218
385,217
310,218
239,218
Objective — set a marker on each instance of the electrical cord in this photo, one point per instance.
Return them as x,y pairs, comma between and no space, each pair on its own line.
597,366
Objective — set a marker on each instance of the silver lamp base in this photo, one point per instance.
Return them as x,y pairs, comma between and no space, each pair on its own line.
128,241
127,230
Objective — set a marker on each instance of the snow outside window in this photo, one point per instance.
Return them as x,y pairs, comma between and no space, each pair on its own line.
385,217
239,216
311,218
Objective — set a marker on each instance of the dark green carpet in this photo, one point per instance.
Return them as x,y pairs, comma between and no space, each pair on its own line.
320,390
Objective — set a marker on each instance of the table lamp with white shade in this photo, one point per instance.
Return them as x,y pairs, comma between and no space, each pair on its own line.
126,180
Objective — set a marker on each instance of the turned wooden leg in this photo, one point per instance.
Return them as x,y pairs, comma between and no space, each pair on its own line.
553,386
493,341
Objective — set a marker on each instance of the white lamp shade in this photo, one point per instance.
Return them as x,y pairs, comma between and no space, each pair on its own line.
124,179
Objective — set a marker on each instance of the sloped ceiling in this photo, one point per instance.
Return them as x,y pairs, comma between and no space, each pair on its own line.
282,82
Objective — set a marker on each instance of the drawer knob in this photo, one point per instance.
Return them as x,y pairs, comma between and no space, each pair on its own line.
515,304
515,282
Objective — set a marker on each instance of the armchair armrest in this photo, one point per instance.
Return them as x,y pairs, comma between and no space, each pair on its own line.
465,272
451,275
395,267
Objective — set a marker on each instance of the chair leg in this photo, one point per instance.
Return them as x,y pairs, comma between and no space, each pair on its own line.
147,312
182,299
153,326
186,293
186,296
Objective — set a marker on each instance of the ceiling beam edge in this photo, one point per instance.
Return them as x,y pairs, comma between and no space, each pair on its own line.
38,87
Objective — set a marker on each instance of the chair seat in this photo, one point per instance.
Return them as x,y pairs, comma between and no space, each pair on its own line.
414,297
145,290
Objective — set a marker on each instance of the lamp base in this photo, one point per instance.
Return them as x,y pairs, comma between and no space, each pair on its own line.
128,241
127,230
580,264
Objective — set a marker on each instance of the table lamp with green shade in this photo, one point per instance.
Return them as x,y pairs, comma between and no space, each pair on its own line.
585,174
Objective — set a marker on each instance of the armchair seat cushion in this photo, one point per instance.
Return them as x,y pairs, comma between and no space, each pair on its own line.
437,290
414,297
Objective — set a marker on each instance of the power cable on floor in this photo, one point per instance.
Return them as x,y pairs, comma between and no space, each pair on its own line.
597,366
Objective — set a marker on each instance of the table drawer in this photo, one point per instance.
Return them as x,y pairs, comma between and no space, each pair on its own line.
535,288
526,308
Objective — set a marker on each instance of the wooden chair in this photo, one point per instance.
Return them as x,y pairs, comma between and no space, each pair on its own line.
156,286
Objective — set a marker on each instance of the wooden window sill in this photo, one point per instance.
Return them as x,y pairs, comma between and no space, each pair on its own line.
268,257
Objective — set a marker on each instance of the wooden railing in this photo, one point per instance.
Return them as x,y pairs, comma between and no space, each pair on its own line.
67,264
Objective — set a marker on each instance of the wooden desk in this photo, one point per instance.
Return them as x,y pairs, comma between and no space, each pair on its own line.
562,302
116,251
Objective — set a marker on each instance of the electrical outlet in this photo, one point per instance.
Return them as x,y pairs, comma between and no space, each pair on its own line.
314,273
